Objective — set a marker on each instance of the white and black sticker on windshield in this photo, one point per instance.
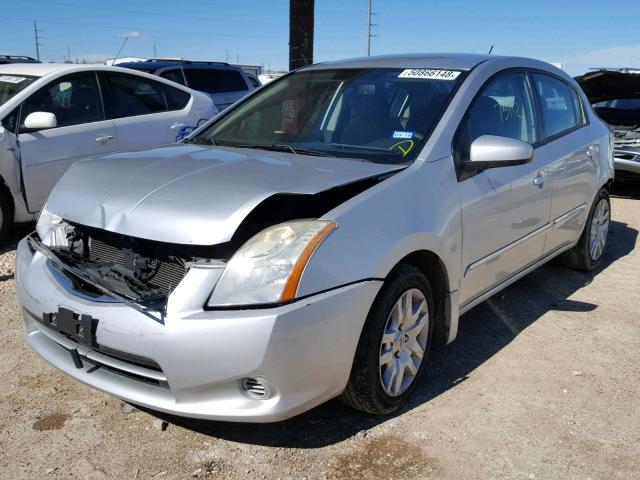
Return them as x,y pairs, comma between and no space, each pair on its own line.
402,135
11,79
429,74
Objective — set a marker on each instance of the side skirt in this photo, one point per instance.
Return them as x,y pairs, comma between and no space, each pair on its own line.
481,297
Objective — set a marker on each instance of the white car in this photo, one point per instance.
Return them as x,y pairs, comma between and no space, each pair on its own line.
54,114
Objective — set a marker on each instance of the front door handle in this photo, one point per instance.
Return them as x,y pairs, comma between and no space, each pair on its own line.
105,138
540,178
177,125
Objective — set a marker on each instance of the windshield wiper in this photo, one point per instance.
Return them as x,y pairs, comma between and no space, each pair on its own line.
200,141
277,147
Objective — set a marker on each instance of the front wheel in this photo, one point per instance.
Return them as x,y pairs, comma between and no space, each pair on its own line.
394,344
587,254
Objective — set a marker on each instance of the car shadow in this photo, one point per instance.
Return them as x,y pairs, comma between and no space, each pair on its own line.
626,189
18,232
483,332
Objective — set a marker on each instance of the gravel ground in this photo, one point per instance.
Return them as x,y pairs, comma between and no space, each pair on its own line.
542,382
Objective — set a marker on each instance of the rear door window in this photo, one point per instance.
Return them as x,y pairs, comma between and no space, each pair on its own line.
215,80
128,95
560,107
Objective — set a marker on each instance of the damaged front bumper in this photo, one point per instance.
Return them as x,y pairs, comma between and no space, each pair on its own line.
196,362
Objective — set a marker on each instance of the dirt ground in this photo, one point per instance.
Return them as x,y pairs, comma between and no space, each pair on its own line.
543,382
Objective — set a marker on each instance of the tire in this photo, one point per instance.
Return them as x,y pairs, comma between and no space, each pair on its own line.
366,390
582,256
6,214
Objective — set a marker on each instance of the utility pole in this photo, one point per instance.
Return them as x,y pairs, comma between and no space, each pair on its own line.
369,25
301,16
36,31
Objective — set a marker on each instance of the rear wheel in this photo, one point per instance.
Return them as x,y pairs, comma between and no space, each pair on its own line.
587,254
6,213
394,344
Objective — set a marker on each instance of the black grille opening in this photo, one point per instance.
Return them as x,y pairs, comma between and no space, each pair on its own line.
144,271
164,275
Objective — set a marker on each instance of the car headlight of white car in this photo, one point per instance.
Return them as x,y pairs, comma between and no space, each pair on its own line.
51,229
268,267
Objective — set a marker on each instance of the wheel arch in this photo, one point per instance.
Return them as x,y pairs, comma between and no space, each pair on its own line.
432,267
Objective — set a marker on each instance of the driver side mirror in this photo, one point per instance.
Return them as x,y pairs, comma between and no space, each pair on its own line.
40,121
490,151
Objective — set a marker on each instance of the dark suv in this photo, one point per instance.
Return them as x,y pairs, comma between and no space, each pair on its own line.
224,83
4,59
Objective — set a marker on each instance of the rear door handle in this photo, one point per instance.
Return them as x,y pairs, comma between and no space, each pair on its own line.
177,125
105,138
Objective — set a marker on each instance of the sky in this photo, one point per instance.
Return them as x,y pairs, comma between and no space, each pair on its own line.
578,34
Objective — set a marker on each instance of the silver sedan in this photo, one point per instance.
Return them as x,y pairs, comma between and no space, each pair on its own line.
317,238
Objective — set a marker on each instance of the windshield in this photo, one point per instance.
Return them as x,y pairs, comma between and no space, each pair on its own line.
380,115
12,84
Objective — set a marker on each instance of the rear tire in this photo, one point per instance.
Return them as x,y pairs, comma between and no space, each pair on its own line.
6,214
587,254
394,344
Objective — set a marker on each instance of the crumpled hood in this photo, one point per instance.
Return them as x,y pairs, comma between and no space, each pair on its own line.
191,194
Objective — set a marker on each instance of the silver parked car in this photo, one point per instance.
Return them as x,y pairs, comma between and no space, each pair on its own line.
315,239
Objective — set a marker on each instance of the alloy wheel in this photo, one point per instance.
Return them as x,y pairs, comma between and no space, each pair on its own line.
599,229
403,342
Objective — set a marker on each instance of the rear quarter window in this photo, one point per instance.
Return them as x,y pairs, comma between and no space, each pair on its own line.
176,99
211,80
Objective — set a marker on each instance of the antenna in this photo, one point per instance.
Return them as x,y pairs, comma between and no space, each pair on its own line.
369,25
491,50
36,31
118,54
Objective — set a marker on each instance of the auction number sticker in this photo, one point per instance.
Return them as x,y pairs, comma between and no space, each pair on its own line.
429,73
11,79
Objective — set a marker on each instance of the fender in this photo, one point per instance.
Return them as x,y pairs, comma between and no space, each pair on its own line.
11,173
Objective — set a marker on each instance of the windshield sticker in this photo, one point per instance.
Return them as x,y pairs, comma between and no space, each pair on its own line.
11,79
429,74
405,146
401,135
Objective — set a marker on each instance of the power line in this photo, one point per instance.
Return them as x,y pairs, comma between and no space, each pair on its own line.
147,13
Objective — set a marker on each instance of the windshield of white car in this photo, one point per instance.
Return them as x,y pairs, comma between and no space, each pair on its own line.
10,85
380,114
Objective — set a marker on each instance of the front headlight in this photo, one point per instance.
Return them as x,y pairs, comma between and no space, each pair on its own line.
51,229
267,269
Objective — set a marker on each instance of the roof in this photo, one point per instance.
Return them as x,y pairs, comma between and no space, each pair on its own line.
42,69
456,61
157,64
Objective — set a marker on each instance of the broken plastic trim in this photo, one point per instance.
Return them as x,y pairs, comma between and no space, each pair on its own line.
151,311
